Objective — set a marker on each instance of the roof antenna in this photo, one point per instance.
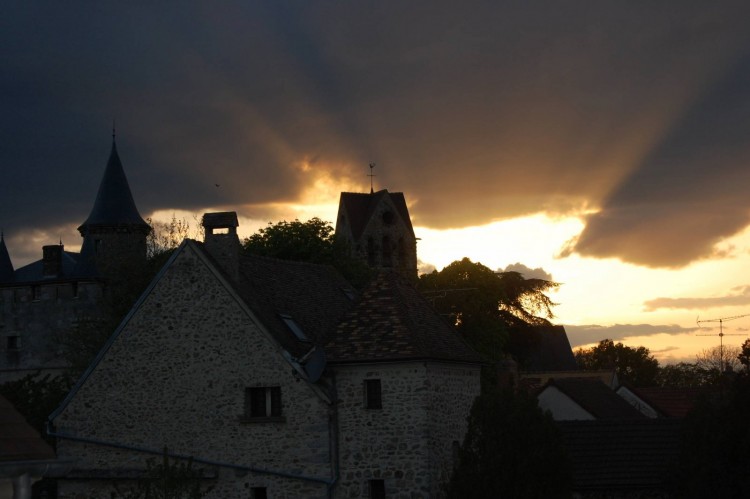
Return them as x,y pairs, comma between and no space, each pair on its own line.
721,335
372,165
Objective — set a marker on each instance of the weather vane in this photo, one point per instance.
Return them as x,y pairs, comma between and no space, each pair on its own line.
372,165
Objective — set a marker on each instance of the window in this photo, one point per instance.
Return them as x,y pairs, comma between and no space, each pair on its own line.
377,489
373,399
36,292
258,493
12,343
263,402
293,327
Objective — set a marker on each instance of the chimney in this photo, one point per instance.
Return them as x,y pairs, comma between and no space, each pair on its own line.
52,260
222,242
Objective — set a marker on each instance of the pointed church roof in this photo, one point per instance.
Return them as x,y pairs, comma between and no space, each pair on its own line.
6,266
114,203
360,208
393,321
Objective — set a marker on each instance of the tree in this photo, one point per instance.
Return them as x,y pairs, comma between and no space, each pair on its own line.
471,289
165,237
312,241
744,355
36,397
719,359
683,375
634,365
511,449
715,449
168,479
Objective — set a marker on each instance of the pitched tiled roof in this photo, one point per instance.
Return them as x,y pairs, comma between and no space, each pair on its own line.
314,296
34,272
541,348
114,203
360,207
393,321
597,398
671,402
620,455
18,440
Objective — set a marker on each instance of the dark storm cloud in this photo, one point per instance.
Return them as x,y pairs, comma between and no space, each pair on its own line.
478,112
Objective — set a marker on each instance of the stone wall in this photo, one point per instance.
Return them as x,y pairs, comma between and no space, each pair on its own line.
408,443
36,315
176,376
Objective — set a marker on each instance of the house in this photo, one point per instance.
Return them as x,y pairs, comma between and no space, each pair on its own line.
621,459
276,377
661,401
584,398
44,299
24,457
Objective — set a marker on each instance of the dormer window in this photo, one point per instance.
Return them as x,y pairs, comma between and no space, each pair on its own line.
294,327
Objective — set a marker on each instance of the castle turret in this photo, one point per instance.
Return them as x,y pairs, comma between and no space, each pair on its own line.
114,234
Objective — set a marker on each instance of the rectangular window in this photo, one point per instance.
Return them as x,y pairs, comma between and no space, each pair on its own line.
36,292
12,343
263,402
377,489
258,493
373,398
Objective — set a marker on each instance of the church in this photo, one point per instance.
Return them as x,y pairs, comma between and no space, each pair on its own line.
277,378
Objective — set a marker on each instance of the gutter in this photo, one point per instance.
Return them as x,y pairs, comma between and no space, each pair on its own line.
209,462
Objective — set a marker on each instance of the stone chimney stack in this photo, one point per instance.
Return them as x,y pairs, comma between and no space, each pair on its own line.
222,242
52,260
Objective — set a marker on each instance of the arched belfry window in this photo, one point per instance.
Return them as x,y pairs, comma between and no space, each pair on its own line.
387,252
371,251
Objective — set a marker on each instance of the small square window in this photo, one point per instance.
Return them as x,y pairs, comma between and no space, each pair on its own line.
11,343
376,489
258,493
373,397
263,402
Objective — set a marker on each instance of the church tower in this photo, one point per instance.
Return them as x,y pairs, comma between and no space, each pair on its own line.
378,229
114,234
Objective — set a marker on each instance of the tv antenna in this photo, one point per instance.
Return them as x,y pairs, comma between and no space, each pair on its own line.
372,165
721,334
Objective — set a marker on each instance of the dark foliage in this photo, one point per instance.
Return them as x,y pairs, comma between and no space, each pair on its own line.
512,449
483,304
166,479
36,397
634,365
715,456
312,241
686,375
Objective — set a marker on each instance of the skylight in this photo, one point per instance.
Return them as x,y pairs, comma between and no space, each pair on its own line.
293,327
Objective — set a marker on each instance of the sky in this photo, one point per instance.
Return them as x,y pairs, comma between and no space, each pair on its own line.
600,144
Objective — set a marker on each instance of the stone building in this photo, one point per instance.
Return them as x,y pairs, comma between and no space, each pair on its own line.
276,377
377,228
44,299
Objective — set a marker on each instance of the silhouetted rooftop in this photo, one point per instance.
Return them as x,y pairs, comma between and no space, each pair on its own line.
114,203
360,207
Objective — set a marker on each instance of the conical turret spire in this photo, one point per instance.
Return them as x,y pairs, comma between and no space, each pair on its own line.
114,205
